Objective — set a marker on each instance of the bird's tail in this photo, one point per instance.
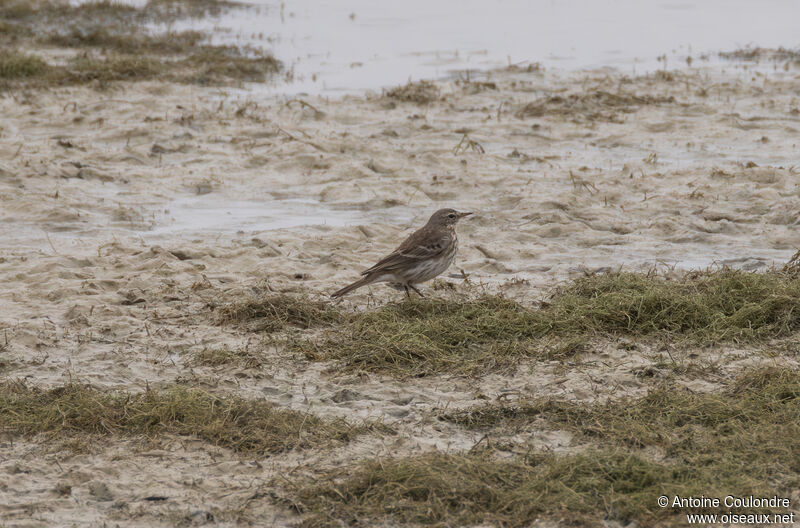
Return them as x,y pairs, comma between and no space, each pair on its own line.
357,284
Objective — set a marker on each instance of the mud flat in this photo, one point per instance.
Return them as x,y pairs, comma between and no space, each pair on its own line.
144,222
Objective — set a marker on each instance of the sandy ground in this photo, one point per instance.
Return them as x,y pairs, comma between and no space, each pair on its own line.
125,214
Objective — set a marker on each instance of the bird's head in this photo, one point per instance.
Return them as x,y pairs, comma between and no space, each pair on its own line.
446,217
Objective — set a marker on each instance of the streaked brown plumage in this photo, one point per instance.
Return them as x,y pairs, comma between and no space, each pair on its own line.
427,253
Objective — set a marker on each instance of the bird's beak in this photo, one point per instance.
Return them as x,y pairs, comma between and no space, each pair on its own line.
462,215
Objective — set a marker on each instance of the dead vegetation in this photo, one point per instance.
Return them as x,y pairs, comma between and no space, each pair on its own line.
113,43
467,144
421,93
591,106
792,267
270,312
739,442
757,54
246,426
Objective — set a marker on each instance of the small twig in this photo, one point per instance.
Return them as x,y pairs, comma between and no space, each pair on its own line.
467,143
304,105
295,138
583,184
485,437
50,242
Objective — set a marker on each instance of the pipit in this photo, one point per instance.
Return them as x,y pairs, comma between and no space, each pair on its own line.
427,253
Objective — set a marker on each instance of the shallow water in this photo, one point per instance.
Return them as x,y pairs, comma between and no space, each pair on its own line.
352,46
349,46
197,214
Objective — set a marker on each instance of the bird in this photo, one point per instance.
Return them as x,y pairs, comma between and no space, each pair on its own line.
425,254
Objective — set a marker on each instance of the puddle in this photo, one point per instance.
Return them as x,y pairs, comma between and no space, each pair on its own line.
194,216
198,214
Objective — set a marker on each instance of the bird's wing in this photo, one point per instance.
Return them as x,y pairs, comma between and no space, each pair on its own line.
415,248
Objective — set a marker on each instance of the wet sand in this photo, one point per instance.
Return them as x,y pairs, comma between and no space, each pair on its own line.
128,214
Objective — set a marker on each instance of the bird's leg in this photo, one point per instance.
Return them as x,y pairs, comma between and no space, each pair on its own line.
415,289
405,287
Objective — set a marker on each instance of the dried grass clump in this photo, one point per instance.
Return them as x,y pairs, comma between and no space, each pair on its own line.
756,54
245,426
741,441
225,356
268,312
421,92
593,106
792,267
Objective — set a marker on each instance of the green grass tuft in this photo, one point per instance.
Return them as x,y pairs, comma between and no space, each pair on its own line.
761,403
744,435
88,67
120,46
430,336
741,441
253,427
16,65
216,64
129,43
475,489
706,307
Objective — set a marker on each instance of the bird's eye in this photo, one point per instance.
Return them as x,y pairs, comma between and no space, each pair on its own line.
451,215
